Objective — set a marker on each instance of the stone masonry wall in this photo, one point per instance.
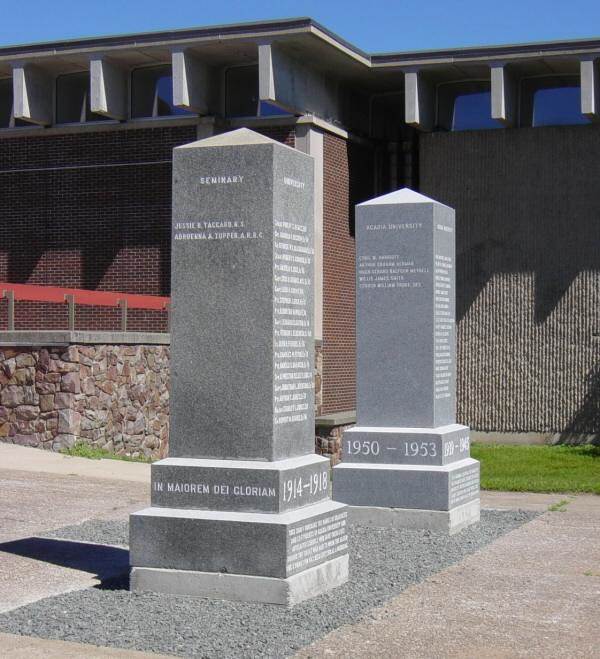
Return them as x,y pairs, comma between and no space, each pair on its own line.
114,397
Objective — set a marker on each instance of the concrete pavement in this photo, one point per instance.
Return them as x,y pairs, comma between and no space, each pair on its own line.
33,460
22,647
42,491
534,592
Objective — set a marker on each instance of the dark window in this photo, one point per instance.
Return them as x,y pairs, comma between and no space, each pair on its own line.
7,119
73,99
152,93
6,102
387,116
241,91
465,106
551,101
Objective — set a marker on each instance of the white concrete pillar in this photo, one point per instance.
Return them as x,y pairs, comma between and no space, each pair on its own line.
504,94
294,87
108,89
309,140
194,84
266,77
590,88
33,94
419,101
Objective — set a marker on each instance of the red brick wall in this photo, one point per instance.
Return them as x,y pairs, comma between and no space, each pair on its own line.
284,134
348,180
338,281
90,210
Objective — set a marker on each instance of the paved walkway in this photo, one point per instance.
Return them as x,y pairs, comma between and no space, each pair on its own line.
41,491
534,592
23,647
22,458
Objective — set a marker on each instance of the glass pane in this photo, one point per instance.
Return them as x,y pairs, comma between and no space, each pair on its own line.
269,110
164,98
472,111
73,99
71,92
387,116
152,93
143,88
241,91
6,102
556,106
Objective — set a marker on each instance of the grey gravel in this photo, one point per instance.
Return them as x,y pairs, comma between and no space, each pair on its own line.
383,563
96,530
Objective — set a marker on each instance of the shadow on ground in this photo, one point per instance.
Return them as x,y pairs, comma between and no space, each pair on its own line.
109,564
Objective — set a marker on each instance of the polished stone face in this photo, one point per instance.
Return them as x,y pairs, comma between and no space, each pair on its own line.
242,291
412,446
239,543
242,492
407,486
405,313
406,453
270,487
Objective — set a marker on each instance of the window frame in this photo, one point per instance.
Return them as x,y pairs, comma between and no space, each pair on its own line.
462,81
525,113
13,123
155,117
86,103
224,88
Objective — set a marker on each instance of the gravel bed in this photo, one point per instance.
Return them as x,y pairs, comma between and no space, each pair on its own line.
383,563
95,530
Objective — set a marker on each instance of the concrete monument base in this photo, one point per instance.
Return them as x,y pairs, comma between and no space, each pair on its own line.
442,521
427,487
242,587
272,546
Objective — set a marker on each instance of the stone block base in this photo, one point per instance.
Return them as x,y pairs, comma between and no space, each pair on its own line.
277,545
423,487
441,521
242,587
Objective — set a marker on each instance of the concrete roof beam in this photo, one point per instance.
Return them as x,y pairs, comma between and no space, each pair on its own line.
294,87
108,89
504,94
590,88
419,100
195,84
33,94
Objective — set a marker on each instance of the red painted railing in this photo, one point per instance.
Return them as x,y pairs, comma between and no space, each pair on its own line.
75,296
80,296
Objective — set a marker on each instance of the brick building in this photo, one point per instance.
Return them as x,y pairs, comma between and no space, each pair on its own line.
504,134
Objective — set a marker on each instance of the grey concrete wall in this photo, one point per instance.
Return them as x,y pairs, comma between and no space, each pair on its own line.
528,274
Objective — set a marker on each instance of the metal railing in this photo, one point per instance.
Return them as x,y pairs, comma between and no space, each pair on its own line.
76,296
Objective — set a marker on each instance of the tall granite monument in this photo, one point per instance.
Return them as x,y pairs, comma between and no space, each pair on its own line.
241,508
406,462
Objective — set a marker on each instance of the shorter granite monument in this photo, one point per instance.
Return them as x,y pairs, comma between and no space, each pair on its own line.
406,462
241,507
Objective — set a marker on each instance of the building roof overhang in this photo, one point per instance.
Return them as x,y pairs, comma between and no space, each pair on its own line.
302,37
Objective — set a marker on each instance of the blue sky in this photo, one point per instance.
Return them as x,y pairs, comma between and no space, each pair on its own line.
373,25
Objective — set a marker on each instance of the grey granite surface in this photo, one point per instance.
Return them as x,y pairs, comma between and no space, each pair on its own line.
242,281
